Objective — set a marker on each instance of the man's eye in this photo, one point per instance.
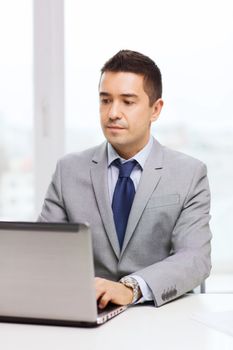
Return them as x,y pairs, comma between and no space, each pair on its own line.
129,103
105,101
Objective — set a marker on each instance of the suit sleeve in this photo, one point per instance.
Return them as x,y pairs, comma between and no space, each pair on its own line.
189,263
53,209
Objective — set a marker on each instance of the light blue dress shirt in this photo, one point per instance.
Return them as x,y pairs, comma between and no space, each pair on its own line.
113,173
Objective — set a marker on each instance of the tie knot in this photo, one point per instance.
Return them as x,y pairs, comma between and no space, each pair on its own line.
126,168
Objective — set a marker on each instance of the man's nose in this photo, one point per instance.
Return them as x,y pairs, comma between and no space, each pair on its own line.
114,111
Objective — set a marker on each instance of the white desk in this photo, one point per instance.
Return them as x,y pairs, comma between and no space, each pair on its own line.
145,327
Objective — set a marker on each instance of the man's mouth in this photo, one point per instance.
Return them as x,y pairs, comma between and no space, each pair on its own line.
115,127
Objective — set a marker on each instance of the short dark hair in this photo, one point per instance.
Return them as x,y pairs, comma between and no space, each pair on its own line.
135,62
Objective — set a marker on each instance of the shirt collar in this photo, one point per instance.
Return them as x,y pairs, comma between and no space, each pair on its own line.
140,157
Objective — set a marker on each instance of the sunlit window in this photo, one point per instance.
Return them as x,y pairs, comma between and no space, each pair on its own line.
16,105
191,41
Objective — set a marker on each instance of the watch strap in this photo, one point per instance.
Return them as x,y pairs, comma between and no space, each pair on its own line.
132,283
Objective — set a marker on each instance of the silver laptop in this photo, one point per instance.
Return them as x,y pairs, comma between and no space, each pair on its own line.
47,275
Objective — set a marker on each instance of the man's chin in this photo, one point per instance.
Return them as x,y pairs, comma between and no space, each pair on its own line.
116,141
116,138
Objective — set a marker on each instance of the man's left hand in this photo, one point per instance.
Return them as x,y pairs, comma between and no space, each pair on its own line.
109,291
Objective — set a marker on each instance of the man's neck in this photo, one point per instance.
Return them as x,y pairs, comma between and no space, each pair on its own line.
129,153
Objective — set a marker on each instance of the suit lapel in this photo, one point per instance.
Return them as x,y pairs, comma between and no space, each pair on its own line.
100,184
149,180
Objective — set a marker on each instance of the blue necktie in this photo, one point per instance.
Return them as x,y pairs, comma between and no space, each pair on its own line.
123,197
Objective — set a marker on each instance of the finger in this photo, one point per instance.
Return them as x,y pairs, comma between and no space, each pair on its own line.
99,293
99,288
103,301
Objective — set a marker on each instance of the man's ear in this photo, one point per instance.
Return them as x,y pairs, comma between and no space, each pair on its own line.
156,109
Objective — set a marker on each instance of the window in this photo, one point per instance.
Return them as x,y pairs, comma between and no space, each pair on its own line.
194,50
16,111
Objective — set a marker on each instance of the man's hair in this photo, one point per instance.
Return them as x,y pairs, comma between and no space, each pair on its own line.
135,62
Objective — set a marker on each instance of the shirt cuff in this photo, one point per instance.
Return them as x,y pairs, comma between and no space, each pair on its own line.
147,294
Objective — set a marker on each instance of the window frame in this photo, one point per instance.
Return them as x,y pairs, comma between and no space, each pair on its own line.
49,123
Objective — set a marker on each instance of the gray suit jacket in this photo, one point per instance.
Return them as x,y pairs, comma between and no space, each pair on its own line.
167,240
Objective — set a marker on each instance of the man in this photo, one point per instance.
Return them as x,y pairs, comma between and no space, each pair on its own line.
148,206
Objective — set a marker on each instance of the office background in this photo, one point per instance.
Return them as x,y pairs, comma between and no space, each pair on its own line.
51,52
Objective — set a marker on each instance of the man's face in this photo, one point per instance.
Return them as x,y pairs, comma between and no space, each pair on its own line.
125,112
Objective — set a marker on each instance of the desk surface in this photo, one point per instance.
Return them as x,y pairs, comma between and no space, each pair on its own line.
143,327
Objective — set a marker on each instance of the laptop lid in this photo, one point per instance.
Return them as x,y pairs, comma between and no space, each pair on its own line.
47,273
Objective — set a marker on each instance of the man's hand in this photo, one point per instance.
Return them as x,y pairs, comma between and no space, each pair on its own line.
115,292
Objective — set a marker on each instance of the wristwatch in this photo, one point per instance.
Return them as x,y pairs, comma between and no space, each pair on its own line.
133,284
